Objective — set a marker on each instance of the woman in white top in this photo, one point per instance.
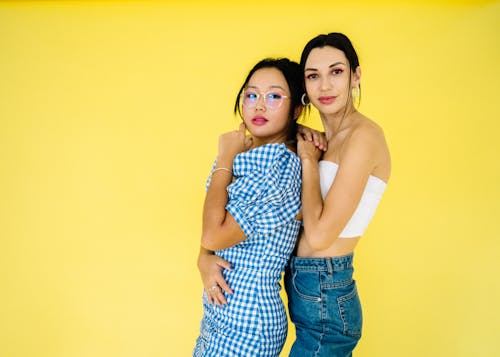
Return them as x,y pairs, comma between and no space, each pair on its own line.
341,189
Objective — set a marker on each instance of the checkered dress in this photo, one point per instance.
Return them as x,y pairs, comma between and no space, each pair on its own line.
264,199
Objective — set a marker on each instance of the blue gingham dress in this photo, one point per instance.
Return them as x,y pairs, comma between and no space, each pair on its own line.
264,199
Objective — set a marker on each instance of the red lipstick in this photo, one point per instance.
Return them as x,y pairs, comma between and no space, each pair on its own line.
327,100
259,120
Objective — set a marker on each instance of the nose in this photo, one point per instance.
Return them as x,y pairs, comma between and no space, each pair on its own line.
325,83
261,104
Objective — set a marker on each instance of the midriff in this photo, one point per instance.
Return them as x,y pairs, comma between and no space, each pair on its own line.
340,247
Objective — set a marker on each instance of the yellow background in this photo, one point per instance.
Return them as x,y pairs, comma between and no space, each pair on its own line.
109,116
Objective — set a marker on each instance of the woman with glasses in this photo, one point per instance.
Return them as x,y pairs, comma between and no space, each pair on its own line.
341,189
250,216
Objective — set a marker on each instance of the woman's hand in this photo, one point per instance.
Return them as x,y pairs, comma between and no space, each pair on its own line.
233,143
210,267
315,136
307,149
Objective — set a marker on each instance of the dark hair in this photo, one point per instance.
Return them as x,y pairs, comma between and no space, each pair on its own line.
336,40
294,78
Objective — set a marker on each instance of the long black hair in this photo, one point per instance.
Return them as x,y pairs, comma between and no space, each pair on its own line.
336,40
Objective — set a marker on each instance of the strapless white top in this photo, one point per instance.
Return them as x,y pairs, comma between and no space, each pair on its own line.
367,206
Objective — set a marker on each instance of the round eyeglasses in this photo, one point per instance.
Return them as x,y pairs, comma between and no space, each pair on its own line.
272,100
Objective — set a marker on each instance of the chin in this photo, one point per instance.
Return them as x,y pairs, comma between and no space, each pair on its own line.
331,110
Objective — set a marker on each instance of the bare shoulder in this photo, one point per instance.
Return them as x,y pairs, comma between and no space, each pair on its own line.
367,131
369,137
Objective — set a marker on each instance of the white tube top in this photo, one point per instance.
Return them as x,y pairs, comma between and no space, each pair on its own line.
363,214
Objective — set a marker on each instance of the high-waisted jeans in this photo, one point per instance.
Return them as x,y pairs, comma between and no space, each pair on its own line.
324,306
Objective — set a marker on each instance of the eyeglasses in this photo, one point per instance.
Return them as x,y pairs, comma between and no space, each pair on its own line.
272,100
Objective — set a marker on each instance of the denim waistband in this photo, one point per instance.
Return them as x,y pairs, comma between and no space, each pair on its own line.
322,264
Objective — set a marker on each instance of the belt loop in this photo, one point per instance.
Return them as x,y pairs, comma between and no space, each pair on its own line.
329,266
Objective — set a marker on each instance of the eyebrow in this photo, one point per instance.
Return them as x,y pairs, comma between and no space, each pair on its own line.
330,66
279,87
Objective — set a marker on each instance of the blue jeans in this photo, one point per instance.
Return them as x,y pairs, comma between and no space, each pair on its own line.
324,306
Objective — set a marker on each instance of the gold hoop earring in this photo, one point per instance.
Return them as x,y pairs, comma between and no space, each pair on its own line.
355,92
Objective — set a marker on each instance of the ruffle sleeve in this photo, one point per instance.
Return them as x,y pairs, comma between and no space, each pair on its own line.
268,196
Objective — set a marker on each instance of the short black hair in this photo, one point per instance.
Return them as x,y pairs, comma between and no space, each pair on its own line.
294,78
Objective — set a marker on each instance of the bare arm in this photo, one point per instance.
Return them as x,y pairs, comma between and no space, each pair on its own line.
325,220
220,230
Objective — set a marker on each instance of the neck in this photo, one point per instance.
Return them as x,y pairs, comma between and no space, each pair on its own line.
259,141
336,122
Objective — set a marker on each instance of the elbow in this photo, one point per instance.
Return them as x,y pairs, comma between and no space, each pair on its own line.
209,241
318,240
317,245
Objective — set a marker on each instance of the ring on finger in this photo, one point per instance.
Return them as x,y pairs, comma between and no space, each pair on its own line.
213,287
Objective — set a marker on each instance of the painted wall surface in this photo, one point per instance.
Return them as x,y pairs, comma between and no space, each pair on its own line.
109,118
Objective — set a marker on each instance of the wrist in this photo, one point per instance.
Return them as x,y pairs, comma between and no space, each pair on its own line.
224,161
223,169
202,256
308,158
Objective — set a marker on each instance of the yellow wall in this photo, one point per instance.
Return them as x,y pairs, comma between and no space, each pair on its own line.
109,116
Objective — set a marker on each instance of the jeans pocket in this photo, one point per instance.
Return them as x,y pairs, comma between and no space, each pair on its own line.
306,285
350,312
304,298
